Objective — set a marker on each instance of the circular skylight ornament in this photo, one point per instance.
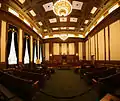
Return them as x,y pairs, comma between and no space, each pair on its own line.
62,8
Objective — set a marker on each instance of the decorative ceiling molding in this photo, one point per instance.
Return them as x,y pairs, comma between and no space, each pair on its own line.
77,5
48,6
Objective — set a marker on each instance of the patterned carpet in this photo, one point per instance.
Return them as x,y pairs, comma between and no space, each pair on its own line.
66,83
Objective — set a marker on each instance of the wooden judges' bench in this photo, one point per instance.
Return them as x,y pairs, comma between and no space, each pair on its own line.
63,60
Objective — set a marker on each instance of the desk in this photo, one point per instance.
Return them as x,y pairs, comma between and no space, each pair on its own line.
109,97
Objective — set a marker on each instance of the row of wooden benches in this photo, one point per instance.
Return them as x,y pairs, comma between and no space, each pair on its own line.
106,79
23,83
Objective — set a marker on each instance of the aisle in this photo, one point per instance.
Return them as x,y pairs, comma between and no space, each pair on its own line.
66,83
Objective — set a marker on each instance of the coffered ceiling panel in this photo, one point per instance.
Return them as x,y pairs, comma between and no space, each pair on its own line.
83,12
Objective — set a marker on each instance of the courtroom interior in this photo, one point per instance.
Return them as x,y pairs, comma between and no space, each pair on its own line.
59,50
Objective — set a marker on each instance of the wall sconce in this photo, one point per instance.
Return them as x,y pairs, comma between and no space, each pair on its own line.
50,54
76,54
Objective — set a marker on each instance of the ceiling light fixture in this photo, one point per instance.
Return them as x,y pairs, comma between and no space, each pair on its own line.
40,23
63,37
62,8
93,10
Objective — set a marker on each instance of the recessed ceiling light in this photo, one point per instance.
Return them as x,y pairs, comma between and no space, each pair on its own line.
81,29
53,20
93,10
21,1
73,19
86,21
47,36
63,19
40,23
62,28
32,13
71,28
55,29
48,6
45,30
77,5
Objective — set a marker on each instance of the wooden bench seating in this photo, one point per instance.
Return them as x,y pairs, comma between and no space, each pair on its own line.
84,70
6,95
88,76
25,89
40,71
110,84
31,76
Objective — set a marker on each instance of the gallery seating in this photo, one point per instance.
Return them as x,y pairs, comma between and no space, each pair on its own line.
88,68
25,89
30,76
95,74
109,84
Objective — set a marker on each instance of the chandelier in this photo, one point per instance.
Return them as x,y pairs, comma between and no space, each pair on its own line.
62,8
63,37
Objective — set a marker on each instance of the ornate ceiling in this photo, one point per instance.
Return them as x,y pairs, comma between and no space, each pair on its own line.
82,15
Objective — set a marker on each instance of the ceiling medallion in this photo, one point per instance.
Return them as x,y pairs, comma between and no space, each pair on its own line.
62,8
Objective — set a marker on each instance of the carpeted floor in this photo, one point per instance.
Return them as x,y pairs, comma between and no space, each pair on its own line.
66,83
